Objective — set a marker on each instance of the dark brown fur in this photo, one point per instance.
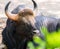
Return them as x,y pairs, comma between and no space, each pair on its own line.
18,33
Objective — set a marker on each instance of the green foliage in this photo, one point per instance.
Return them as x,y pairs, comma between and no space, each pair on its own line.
52,40
30,45
38,41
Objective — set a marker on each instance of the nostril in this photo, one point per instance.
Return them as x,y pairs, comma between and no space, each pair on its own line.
36,31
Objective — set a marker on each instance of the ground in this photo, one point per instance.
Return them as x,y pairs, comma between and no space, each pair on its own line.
2,26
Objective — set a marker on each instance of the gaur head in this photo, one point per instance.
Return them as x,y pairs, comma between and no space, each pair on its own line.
24,21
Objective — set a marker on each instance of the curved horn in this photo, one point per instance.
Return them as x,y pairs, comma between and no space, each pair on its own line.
10,15
35,5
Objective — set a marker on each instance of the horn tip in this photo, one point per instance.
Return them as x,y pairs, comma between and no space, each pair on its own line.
6,7
9,2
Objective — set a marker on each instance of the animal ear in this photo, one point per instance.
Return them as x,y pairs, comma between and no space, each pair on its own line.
44,31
